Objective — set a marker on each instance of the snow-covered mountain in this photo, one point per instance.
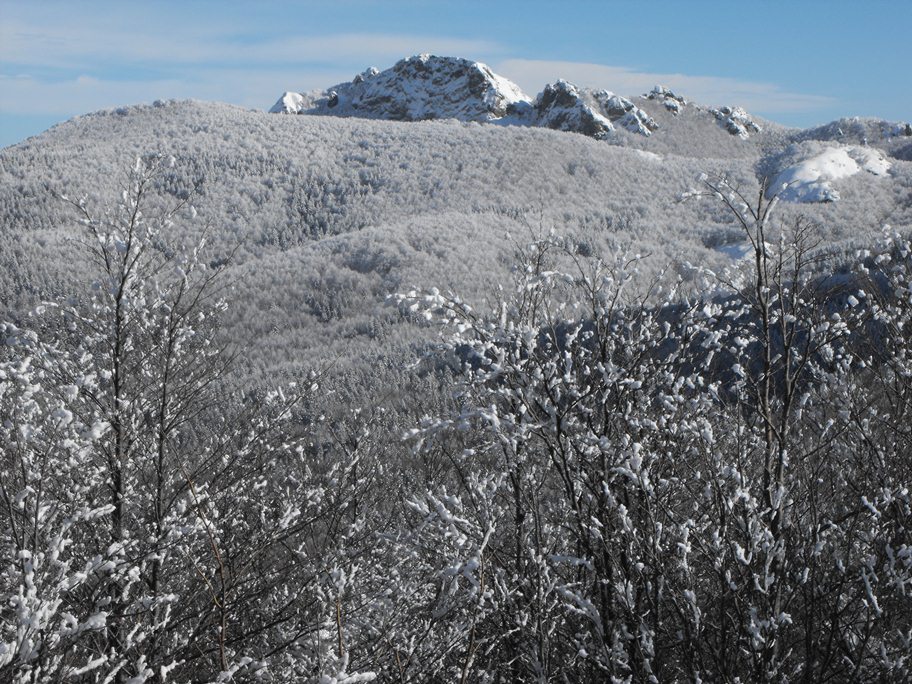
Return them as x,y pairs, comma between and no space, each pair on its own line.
194,261
335,212
426,87
416,89
430,87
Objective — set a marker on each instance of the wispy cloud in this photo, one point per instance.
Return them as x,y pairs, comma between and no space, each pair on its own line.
362,46
63,59
84,93
66,59
29,95
53,64
531,75
60,44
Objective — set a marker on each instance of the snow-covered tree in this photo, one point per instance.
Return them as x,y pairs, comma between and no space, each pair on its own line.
649,489
159,525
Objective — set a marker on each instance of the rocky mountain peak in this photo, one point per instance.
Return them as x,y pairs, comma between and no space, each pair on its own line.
414,89
433,87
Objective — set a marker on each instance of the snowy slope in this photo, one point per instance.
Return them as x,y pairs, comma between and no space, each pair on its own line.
329,215
811,179
860,130
333,214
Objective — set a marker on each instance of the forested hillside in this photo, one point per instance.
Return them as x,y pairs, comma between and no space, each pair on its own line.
326,217
298,398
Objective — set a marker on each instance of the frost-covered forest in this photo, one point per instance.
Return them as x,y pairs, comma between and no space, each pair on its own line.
290,398
326,217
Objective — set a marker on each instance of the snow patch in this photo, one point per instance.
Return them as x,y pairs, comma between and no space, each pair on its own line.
811,180
871,160
651,156
736,251
289,103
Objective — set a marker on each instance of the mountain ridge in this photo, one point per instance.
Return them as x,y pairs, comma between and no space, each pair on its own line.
351,208
428,86
333,214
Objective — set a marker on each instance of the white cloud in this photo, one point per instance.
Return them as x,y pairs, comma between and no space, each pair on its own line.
60,45
86,93
31,96
58,62
532,75
61,61
260,86
181,61
350,47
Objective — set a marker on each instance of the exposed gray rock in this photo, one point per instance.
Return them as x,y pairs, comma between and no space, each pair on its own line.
672,101
414,89
624,113
736,121
562,106
431,87
595,113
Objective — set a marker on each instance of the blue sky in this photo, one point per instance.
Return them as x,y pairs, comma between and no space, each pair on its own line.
800,62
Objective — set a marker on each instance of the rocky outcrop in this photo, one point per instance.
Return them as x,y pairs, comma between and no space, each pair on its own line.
562,106
596,113
736,121
673,103
415,89
431,87
623,113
